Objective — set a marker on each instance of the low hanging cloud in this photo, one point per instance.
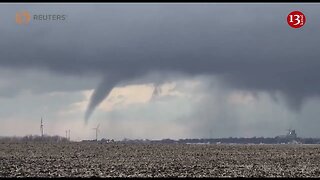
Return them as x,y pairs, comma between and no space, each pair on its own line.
248,47
191,108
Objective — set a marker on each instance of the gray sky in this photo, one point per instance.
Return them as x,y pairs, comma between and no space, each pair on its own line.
221,70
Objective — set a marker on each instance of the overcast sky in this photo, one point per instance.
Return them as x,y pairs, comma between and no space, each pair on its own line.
160,70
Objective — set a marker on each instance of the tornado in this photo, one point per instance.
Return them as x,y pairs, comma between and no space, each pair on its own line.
156,91
99,94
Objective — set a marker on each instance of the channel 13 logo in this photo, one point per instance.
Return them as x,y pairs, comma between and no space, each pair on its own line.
296,19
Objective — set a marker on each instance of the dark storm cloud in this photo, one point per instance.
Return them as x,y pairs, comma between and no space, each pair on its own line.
249,46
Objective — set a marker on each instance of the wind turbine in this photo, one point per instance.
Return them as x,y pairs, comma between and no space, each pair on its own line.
97,131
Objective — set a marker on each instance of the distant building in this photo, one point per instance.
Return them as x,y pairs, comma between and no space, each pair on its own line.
292,135
107,140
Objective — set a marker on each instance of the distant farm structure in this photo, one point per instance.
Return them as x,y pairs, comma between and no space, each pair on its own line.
291,136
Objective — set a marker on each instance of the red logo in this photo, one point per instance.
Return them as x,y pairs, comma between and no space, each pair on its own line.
296,19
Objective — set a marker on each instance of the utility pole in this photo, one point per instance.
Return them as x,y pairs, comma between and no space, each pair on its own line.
41,127
96,134
68,134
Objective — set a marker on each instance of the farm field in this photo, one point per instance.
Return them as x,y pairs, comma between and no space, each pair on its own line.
79,159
